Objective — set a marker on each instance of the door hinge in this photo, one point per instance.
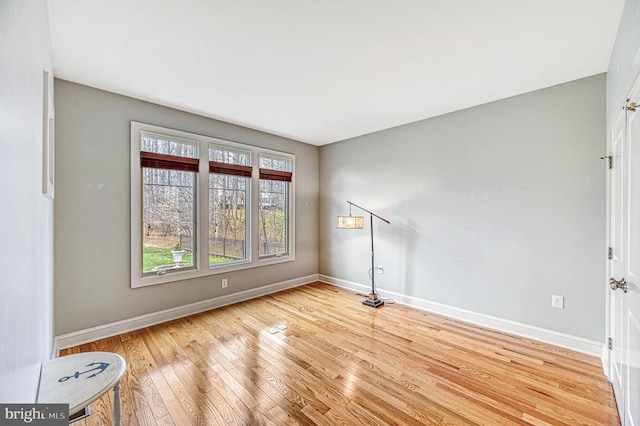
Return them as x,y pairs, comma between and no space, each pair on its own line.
610,343
609,159
610,253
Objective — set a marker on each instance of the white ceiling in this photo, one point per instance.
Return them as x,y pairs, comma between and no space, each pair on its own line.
327,70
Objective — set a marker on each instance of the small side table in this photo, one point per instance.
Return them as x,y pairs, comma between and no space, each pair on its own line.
80,379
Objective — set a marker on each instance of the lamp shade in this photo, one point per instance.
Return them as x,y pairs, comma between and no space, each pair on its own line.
350,222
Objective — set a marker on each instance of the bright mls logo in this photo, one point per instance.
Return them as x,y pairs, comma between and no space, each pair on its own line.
34,414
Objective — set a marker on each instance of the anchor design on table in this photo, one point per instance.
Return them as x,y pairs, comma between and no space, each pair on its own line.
101,366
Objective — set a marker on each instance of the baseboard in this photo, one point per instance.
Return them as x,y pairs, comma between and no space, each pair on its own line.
55,350
563,340
100,332
605,361
567,341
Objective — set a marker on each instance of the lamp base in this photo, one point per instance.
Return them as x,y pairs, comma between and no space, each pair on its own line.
373,300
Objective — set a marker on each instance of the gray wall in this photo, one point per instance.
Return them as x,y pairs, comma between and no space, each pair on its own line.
493,209
624,66
92,210
26,217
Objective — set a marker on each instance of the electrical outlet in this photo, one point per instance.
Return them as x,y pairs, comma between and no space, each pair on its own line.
225,283
557,301
380,269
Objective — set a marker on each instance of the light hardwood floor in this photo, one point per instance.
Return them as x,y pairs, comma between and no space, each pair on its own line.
316,355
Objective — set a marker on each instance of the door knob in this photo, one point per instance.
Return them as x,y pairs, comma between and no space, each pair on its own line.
615,284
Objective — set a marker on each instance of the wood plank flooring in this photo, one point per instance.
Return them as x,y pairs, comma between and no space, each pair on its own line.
316,355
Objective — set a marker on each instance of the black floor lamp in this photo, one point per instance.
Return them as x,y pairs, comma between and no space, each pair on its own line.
357,222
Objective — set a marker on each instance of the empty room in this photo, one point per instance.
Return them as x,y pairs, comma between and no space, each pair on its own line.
281,213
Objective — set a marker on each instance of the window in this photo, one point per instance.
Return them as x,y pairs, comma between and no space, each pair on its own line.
169,171
201,206
229,181
273,217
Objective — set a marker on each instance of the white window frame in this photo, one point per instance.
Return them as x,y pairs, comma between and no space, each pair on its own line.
287,205
202,267
248,205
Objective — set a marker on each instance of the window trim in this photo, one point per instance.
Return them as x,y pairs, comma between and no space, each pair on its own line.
202,267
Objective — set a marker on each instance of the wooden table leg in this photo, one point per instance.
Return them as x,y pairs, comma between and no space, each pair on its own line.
116,404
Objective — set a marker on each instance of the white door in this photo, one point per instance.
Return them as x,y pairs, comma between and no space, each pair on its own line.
617,254
625,264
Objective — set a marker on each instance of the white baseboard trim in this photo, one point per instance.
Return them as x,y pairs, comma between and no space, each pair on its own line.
605,361
563,340
100,332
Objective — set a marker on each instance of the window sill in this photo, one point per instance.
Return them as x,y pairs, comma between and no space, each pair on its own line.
171,277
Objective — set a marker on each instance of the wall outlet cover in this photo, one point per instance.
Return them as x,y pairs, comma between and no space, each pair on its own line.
557,301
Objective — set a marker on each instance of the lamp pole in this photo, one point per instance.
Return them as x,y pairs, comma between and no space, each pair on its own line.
373,300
